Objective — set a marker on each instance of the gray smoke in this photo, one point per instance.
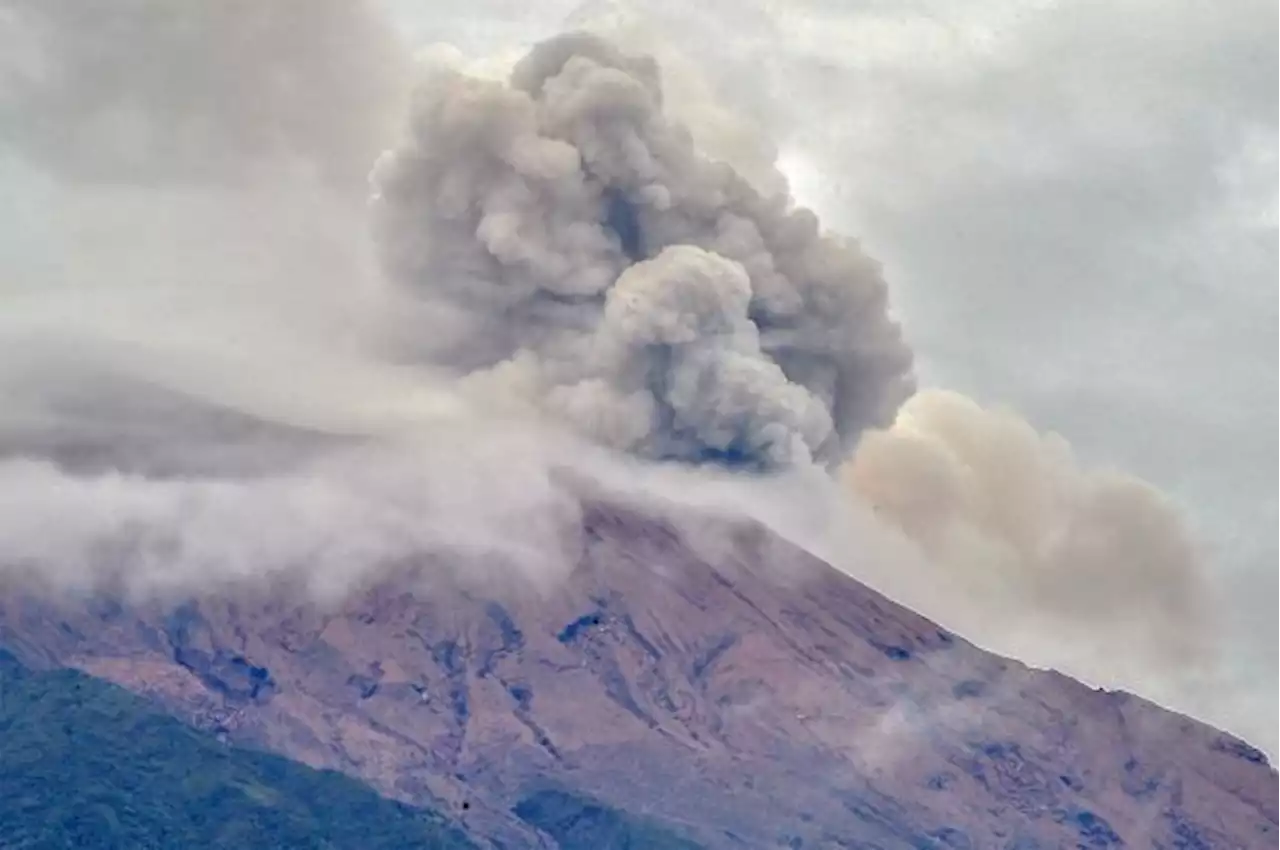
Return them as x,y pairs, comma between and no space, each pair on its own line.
612,274
1009,518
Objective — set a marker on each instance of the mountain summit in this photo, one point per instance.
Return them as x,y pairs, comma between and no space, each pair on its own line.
747,697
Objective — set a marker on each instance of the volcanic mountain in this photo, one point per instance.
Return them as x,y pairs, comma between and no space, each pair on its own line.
751,696
346,576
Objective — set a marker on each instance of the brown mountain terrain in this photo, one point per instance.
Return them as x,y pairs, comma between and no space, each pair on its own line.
751,698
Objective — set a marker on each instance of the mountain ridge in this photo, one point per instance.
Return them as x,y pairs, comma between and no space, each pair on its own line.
753,696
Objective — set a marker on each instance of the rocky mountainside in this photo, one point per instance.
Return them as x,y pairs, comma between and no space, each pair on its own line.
753,697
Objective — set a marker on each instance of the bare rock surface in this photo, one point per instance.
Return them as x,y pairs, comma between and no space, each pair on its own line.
754,697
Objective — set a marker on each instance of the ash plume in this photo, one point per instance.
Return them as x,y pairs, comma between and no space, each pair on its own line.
1007,515
655,301
646,294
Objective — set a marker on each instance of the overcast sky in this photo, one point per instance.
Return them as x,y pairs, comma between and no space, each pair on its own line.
1075,203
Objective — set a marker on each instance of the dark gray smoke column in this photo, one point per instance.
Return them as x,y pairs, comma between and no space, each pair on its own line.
647,294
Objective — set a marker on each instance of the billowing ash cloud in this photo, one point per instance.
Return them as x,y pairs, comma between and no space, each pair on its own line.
1010,519
647,294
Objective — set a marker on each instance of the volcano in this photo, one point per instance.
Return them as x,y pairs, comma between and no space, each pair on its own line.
748,697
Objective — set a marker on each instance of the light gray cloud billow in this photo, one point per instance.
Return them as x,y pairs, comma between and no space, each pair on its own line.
564,206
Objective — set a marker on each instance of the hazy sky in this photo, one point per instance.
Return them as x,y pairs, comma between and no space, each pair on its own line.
1075,203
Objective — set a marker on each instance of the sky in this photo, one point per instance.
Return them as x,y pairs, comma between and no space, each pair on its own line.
1075,204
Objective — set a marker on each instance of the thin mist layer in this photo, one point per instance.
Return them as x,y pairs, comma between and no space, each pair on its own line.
647,295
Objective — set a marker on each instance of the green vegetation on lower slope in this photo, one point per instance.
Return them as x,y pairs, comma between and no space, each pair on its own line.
87,765
579,823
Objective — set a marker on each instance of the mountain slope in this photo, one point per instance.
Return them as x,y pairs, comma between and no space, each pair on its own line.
87,764
746,697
